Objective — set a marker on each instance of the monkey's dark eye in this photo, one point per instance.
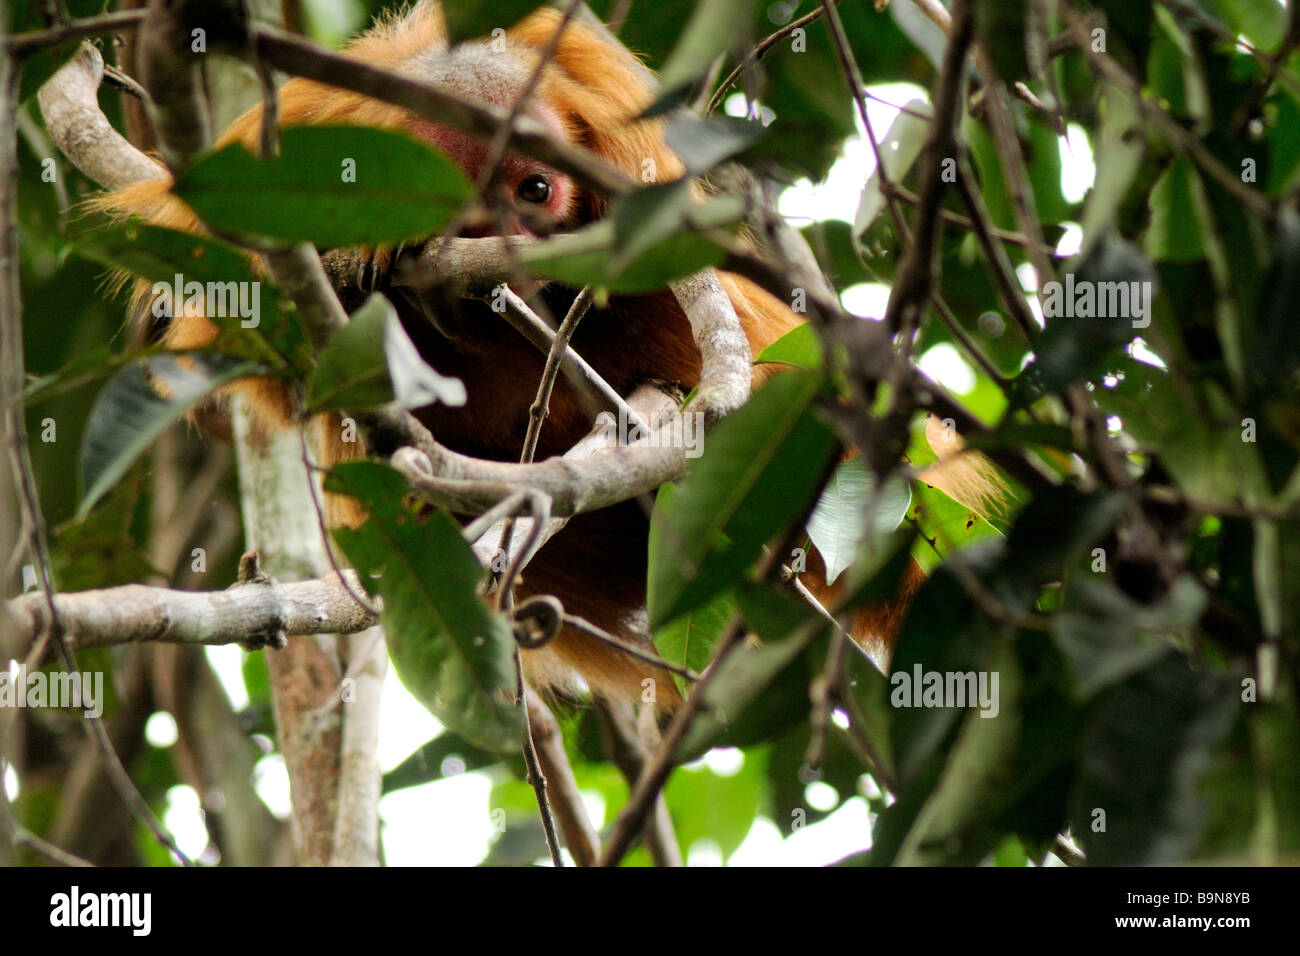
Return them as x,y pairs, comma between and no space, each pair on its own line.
534,189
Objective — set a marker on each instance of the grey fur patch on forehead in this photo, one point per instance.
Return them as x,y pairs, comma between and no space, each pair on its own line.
474,70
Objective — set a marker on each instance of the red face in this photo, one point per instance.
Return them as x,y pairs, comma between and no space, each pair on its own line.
540,197
534,191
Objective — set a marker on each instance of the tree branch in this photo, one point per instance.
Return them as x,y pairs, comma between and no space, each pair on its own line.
257,614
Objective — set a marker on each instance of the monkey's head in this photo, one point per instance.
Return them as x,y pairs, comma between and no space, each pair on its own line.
533,198
588,92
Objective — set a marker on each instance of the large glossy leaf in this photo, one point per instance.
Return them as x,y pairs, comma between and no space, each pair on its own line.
450,650
761,468
330,185
945,526
688,640
1179,209
710,31
849,509
136,405
351,371
978,775
704,142
798,347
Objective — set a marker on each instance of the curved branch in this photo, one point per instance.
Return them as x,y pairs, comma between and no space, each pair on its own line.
726,360
81,131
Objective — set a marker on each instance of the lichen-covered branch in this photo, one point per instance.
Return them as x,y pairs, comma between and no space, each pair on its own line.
255,613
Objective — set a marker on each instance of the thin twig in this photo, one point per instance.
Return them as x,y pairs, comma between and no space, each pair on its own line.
562,786
327,542
25,837
25,44
1004,279
626,750
535,776
591,630
538,411
531,326
853,77
632,817
20,451
760,50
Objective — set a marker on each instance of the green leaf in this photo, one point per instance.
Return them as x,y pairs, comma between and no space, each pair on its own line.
1100,630
945,525
1203,450
688,640
331,185
704,142
786,629
468,19
699,796
370,359
1142,759
87,367
839,522
1119,156
761,467
136,405
1178,207
351,371
798,347
979,773
647,217
1261,23
449,649
1175,73
1102,303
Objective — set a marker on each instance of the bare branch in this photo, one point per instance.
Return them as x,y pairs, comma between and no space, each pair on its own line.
356,830
726,361
251,614
530,325
25,44
619,735
579,835
82,132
